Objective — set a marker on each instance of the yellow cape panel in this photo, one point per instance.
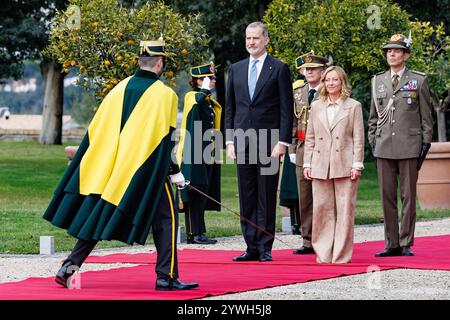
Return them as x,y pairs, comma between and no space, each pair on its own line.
189,102
113,157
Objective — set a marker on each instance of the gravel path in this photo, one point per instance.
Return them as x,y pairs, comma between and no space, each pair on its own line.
390,284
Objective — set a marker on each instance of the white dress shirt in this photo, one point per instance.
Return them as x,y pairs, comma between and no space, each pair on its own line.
315,88
332,110
259,65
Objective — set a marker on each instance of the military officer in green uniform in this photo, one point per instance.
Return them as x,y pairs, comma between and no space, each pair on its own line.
288,185
304,94
400,132
198,156
117,185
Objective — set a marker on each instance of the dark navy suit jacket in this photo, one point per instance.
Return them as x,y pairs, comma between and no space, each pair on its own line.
272,103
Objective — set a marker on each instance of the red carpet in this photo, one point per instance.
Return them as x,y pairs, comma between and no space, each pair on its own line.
218,275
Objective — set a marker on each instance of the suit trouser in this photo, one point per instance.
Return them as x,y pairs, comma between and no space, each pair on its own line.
257,199
164,229
306,206
388,172
195,208
333,219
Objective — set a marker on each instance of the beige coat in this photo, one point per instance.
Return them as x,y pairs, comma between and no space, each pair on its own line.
332,150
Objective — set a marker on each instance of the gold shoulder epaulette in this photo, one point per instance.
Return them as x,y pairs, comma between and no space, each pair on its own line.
420,73
298,84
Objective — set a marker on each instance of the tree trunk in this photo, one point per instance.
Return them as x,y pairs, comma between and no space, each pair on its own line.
51,132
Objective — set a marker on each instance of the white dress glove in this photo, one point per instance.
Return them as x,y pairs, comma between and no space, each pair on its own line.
178,179
292,158
206,83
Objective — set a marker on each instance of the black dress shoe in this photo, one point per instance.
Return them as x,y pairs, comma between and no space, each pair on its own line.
200,239
246,257
390,252
174,284
266,256
406,251
65,272
304,250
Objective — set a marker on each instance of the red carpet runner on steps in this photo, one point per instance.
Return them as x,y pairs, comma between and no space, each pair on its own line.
218,275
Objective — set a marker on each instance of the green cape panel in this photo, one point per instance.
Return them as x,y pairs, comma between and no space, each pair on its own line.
196,173
288,184
90,217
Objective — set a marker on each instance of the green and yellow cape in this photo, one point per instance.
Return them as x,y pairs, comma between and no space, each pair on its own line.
199,107
112,187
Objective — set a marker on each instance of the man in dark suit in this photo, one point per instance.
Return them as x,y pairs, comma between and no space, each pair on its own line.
258,122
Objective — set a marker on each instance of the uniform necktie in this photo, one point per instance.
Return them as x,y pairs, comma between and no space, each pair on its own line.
311,94
395,82
253,77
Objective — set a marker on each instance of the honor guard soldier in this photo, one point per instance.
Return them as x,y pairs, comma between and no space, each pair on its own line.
400,132
312,67
117,185
203,111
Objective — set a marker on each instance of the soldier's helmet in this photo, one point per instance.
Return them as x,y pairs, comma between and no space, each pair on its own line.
310,60
204,70
399,41
153,48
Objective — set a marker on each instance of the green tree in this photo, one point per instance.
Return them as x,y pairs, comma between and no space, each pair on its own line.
435,11
225,23
352,32
434,59
24,33
103,44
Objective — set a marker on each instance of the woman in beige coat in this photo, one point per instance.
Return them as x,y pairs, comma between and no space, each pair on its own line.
333,160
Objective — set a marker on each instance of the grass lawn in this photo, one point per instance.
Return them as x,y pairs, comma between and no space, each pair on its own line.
29,173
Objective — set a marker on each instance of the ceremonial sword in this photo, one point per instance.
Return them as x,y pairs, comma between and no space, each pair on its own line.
187,184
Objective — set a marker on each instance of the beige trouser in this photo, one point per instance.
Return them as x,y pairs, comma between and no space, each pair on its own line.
334,202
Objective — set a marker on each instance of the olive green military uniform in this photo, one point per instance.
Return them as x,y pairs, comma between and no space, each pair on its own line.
400,122
302,108
304,95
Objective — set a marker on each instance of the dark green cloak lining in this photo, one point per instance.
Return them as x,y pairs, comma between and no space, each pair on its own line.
196,173
288,184
92,218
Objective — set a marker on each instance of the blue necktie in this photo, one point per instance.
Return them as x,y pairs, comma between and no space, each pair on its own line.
252,79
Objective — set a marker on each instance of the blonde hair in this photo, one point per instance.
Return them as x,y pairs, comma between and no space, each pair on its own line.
346,88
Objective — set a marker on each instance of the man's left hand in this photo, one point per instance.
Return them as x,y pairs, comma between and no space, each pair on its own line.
279,150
